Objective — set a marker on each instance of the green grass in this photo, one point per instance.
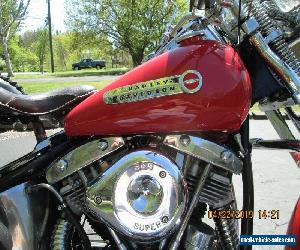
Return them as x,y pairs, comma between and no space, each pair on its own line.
78,73
35,88
30,76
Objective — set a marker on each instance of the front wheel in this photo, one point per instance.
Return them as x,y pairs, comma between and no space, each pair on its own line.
98,67
76,68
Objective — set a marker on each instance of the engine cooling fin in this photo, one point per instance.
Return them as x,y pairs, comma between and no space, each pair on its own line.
73,194
217,190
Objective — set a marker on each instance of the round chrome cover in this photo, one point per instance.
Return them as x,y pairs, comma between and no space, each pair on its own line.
143,196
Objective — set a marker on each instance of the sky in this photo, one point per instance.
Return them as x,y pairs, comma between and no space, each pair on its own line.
37,13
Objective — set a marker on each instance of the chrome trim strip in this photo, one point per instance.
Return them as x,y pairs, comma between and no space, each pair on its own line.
206,151
166,86
189,34
81,157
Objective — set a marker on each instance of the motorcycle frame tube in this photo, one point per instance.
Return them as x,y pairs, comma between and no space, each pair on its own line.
37,161
293,117
282,128
248,186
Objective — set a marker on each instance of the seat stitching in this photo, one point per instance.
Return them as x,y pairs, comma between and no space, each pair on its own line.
56,109
12,99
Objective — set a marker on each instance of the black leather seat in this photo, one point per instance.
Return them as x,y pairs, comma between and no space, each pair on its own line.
45,103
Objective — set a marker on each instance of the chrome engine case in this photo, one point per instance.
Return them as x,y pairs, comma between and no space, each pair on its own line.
142,196
26,216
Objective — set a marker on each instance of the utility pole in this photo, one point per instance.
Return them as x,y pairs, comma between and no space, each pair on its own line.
50,37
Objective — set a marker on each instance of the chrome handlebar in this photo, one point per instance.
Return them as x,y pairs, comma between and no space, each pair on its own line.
289,77
251,28
228,16
169,39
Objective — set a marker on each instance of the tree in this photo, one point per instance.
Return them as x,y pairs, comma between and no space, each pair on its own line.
88,44
12,13
130,24
61,50
36,42
41,46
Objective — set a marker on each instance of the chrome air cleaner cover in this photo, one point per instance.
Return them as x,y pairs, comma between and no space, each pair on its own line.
143,196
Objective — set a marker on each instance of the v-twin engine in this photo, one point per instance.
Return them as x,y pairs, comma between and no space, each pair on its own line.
142,187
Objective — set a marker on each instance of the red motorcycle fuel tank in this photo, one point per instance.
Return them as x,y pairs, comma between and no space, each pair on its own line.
197,87
294,227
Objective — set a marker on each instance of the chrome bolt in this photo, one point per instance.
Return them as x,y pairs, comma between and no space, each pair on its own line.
162,174
62,165
227,156
165,219
185,140
98,200
103,145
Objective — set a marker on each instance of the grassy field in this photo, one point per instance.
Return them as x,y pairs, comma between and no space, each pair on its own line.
31,87
35,88
78,73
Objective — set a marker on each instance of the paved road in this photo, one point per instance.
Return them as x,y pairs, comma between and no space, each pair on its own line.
277,184
68,79
276,177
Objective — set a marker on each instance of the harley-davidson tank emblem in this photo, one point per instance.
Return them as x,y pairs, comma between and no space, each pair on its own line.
189,82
